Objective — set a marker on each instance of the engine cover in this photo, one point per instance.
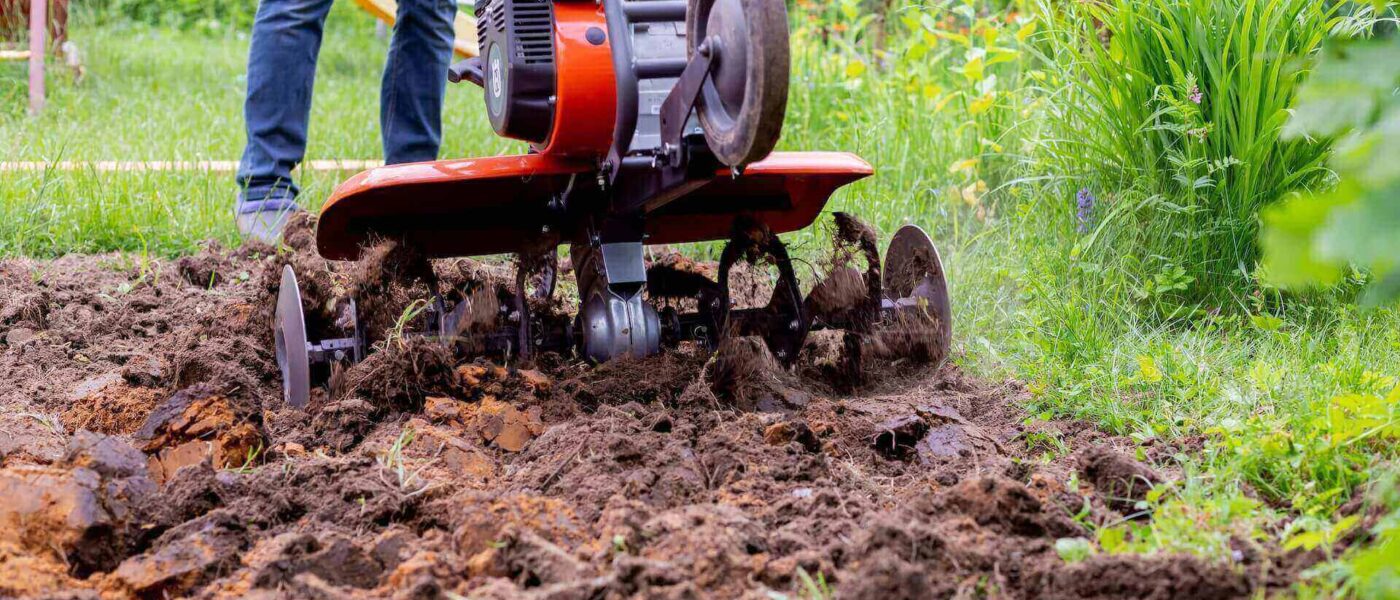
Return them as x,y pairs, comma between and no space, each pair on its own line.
517,53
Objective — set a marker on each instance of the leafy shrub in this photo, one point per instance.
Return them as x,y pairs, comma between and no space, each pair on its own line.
1170,113
1312,239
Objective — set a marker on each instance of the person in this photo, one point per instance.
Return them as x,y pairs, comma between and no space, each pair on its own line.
281,73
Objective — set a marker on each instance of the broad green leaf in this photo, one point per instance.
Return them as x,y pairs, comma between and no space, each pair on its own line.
974,70
1113,540
1073,550
1365,232
1306,540
1289,229
1148,367
1266,322
1025,31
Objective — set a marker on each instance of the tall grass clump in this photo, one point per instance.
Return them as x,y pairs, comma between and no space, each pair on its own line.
1167,120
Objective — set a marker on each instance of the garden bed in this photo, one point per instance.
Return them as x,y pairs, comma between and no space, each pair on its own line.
146,453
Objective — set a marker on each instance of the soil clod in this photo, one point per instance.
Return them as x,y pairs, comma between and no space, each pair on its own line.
1121,481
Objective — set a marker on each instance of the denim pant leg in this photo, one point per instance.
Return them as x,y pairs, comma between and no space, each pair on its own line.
281,74
415,80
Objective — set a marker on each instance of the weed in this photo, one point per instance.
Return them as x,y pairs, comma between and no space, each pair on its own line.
391,461
412,311
250,461
814,588
1073,550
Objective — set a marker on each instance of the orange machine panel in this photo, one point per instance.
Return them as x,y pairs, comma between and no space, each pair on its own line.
462,207
491,205
785,191
585,86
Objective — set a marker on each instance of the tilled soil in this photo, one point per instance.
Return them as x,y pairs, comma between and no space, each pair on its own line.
145,452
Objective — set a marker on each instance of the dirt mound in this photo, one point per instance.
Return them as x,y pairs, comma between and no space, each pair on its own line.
417,475
743,374
115,407
1155,578
402,374
1121,481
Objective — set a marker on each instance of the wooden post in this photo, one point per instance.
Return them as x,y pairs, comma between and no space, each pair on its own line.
38,30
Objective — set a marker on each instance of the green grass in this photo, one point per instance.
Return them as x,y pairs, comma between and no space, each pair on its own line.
156,95
1289,396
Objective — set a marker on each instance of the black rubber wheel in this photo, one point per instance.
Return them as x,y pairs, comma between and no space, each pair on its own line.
743,104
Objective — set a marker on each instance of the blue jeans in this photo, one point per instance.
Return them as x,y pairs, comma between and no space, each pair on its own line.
282,71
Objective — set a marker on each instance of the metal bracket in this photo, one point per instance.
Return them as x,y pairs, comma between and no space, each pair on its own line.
624,263
680,103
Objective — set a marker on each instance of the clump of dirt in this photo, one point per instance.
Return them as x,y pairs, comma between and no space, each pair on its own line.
675,277
1121,481
481,317
912,336
661,379
687,474
115,408
209,268
1151,577
26,308
841,290
402,374
743,374
80,512
389,280
197,425
500,424
847,294
322,283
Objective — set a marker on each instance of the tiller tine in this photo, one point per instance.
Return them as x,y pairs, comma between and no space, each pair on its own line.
301,360
916,312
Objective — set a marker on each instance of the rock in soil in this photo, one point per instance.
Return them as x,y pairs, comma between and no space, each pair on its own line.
82,511
197,425
427,471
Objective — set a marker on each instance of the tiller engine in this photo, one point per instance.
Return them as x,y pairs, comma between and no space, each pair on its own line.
649,122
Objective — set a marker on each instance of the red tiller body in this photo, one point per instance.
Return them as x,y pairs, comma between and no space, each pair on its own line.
476,206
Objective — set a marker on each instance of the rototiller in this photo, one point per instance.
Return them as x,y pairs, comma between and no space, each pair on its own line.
649,122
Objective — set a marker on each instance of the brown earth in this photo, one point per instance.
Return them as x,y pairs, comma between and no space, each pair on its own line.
146,454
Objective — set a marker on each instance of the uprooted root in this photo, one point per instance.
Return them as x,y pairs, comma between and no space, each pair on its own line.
386,283
402,374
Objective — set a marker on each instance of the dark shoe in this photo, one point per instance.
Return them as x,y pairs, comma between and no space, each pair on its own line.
264,220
